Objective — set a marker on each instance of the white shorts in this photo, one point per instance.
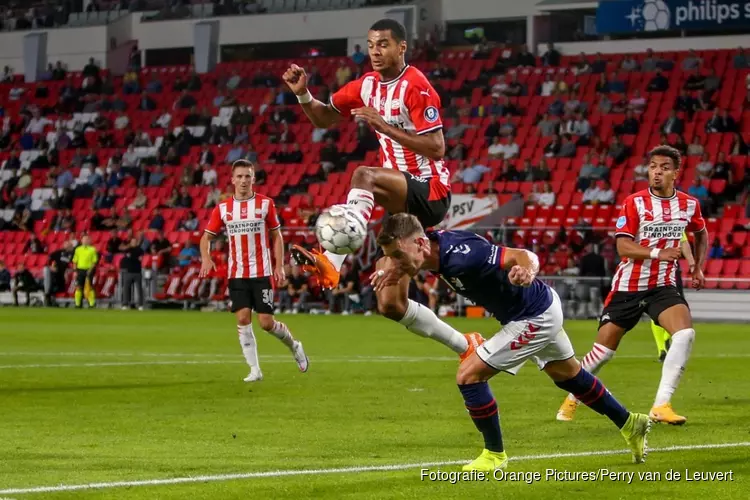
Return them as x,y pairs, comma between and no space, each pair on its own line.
541,338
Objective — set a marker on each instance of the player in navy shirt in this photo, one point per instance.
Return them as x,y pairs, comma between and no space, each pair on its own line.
502,280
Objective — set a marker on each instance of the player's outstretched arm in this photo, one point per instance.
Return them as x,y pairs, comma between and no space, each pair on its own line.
628,248
523,265
320,114
207,264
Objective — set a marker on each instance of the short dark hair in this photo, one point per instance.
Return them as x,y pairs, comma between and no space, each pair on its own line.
399,226
398,32
243,163
667,151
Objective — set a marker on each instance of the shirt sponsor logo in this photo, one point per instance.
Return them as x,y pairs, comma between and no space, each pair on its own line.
431,114
493,255
663,231
244,227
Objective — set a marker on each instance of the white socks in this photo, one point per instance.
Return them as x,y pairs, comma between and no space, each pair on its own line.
674,365
594,360
249,346
362,202
423,322
281,332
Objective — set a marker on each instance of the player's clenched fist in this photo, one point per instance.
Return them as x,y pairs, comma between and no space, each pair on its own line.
296,78
520,276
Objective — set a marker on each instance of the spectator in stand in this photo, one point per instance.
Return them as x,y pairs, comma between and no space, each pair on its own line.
234,154
659,82
210,177
741,59
154,85
591,194
618,151
738,147
37,123
188,254
340,297
556,107
100,222
185,101
731,249
157,221
7,75
492,130
358,57
510,148
711,84
716,251
551,57
553,147
541,172
691,62
132,274
163,248
637,103
567,148
548,86
213,198
207,156
145,103
629,64
640,172
630,126
599,64
680,145
607,194
509,173
581,66
104,199
140,201
5,277
591,172
524,57
698,191
723,171
496,149
343,74
721,122
704,168
470,175
23,281
297,287
115,245
155,177
546,198
685,103
673,124
548,125
696,148
131,83
184,200
481,50
164,120
190,222
34,246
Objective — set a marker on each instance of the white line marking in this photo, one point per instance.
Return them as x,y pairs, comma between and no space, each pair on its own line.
341,470
230,358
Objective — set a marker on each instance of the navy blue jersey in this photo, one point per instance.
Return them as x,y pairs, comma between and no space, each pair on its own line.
472,266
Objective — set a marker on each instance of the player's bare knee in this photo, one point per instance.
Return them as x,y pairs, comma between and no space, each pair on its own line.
392,309
244,318
266,321
363,178
467,374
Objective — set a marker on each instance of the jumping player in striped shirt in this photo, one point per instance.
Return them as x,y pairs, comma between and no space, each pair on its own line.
502,280
648,232
399,103
252,228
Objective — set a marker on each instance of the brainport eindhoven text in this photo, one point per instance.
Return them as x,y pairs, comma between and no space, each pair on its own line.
553,475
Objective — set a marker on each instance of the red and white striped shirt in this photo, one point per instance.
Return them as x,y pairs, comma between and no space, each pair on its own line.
248,224
654,222
408,102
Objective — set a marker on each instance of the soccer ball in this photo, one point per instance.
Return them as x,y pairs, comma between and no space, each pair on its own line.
340,230
655,15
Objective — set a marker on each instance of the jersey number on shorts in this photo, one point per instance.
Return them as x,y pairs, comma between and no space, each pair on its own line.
268,297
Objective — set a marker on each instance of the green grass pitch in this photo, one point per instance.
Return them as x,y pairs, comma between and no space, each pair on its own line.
90,397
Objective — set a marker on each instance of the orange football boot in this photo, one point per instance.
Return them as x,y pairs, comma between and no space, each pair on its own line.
475,340
317,263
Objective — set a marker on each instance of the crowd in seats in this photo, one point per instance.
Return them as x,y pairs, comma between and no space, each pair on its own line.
80,153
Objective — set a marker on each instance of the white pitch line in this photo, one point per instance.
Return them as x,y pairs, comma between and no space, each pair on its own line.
340,470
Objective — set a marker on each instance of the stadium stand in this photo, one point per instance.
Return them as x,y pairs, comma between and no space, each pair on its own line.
90,152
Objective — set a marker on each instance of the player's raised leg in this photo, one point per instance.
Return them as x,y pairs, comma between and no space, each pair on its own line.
248,343
369,185
282,332
678,322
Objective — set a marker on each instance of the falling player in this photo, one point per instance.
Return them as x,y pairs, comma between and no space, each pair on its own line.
661,336
399,103
502,281
649,230
250,218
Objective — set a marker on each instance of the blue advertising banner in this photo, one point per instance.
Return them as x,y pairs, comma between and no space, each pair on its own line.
628,16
